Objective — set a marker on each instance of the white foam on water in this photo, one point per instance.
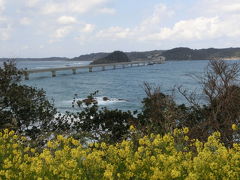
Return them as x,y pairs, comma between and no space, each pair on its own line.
100,101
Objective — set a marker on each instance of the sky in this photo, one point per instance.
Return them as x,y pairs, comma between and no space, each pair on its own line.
69,28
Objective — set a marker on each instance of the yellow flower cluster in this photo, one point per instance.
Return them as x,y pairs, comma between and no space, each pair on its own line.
172,156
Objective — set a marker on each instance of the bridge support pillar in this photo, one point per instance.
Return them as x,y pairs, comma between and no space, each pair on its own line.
26,74
114,66
131,65
53,73
103,68
90,69
74,71
123,66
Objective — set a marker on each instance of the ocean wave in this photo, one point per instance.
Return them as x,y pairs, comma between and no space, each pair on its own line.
101,100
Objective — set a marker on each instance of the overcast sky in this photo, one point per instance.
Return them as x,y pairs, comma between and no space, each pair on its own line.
42,28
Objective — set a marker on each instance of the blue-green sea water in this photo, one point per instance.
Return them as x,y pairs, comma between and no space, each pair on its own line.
124,87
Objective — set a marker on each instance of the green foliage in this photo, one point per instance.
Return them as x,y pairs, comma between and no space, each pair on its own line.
23,108
101,124
159,112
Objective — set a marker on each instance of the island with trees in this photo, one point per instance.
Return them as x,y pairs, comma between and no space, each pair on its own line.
114,57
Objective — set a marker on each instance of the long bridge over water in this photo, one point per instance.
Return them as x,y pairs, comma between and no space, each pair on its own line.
90,68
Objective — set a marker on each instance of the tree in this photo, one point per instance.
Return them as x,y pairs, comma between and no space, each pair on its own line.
98,124
220,85
160,112
23,108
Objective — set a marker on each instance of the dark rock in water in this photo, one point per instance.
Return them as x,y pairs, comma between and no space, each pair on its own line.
123,100
115,57
106,99
89,101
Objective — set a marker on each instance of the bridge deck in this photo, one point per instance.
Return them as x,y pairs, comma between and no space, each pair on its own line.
90,67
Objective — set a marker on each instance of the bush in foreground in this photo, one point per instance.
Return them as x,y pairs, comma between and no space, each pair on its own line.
171,156
23,108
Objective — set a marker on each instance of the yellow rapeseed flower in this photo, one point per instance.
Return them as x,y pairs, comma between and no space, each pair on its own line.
155,157
11,133
103,145
6,131
186,138
15,146
23,138
15,137
175,173
75,142
234,127
50,144
60,138
108,174
185,130
32,150
132,128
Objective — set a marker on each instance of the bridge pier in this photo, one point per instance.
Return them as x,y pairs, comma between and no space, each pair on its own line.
103,68
114,66
131,65
74,71
26,74
53,73
90,69
123,66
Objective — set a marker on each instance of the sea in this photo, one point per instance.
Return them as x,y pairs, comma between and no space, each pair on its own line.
124,88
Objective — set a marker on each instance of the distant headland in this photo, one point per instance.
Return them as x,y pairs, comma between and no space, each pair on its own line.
180,53
115,57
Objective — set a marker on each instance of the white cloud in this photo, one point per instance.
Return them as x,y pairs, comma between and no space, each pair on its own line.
88,28
53,8
107,11
114,33
230,26
221,6
62,32
191,29
196,23
25,47
200,28
5,33
160,14
5,29
2,3
76,6
2,20
25,21
153,28
66,20
32,3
